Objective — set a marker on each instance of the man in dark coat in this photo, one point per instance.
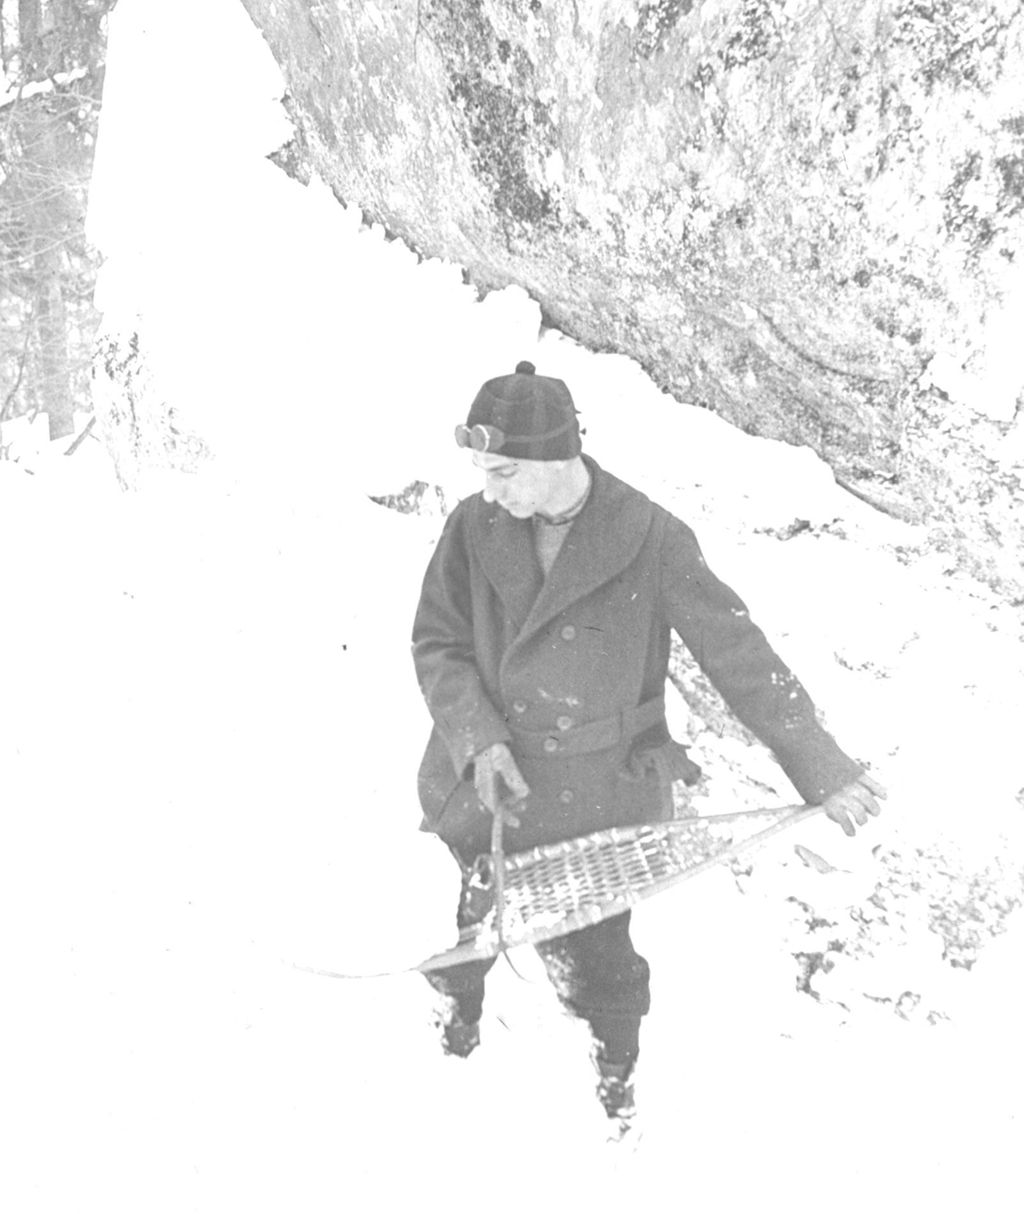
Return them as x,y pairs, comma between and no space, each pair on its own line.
541,644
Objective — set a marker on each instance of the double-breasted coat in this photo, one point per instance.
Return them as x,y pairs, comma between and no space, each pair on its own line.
570,670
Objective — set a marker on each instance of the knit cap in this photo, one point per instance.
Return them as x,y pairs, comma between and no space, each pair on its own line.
523,416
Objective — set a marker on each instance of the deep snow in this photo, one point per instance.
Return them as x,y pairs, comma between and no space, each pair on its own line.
188,817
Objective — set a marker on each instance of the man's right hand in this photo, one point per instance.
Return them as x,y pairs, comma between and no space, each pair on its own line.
854,802
492,768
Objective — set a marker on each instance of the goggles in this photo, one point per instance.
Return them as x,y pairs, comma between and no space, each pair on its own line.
482,437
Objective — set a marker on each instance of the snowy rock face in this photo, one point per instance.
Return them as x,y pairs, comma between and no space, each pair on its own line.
805,216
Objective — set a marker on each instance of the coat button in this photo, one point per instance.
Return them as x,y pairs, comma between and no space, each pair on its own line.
566,796
564,723
550,745
519,706
568,633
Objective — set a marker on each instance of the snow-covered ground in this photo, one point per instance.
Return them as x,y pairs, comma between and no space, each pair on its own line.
209,729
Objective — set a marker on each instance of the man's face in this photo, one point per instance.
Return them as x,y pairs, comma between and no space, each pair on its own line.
520,486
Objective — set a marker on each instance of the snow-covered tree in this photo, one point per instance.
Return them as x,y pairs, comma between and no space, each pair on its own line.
53,52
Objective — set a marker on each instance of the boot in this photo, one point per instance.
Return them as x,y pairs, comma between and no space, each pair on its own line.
615,1091
460,1040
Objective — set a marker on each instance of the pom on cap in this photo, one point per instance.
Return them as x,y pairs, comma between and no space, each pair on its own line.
525,368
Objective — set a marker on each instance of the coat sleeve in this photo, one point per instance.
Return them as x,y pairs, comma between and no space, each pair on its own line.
443,653
759,688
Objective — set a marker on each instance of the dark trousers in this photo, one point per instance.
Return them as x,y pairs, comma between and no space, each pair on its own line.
597,974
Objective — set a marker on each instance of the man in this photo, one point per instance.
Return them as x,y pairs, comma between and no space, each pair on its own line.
541,644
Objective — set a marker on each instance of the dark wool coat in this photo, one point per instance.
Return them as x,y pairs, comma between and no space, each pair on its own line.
570,670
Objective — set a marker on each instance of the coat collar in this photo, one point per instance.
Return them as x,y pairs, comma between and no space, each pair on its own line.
604,539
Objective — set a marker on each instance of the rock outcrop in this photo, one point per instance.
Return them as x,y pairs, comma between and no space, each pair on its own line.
805,215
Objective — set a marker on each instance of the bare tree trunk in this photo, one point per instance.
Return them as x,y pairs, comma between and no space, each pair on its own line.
29,28
42,149
52,331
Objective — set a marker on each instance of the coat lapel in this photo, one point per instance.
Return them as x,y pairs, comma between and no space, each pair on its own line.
505,547
604,539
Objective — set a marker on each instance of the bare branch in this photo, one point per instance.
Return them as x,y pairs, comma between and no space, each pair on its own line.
36,88
22,363
82,437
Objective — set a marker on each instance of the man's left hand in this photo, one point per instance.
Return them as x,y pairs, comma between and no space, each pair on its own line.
854,802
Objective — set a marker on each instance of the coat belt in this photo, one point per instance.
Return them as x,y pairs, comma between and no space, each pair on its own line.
594,735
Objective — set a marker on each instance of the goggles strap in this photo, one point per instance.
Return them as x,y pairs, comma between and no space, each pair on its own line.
538,438
483,437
